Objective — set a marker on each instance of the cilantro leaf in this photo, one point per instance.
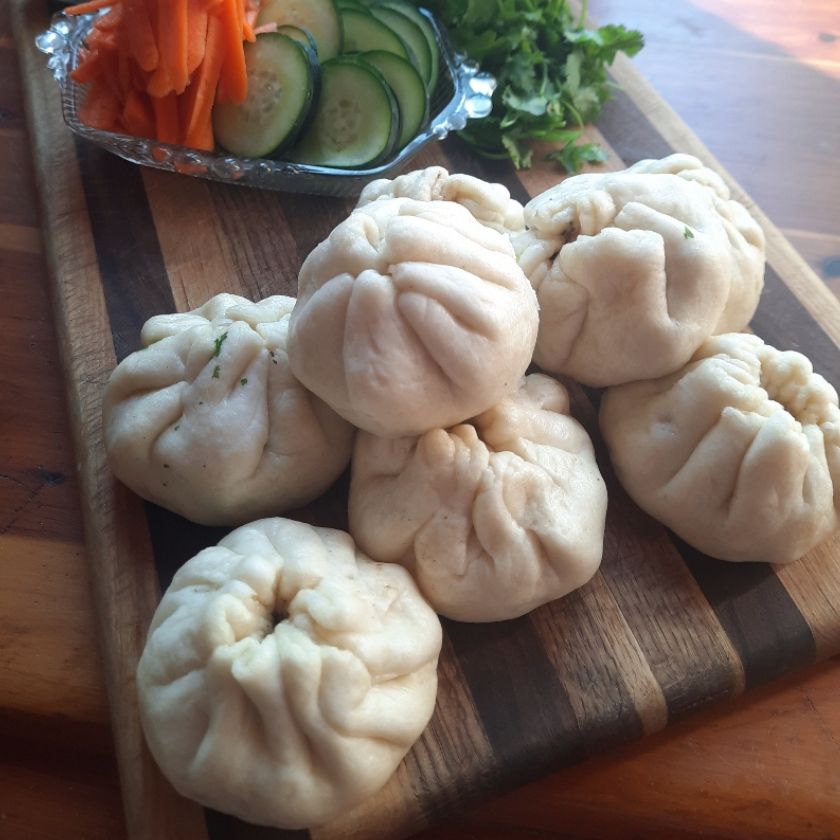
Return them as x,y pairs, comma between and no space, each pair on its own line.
551,74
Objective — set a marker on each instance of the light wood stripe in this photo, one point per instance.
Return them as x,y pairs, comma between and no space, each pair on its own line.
572,631
814,584
20,238
199,265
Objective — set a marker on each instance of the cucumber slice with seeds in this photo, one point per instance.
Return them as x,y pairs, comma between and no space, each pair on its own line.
364,32
409,89
356,121
282,80
412,36
318,17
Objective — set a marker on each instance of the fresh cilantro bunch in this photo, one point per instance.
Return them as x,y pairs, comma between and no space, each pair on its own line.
551,73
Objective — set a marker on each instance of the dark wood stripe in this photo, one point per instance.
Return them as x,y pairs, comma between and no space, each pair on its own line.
133,271
770,634
225,827
630,132
671,623
527,718
262,247
783,321
311,218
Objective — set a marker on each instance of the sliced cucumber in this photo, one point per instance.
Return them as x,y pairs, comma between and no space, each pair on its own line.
363,32
356,121
318,17
408,87
411,12
282,79
412,36
298,34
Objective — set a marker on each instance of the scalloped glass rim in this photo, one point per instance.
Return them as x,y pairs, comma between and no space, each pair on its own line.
462,93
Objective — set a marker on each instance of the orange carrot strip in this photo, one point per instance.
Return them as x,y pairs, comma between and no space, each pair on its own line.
101,108
234,81
88,69
196,36
160,82
141,35
248,32
138,115
166,118
89,8
100,39
170,44
180,43
110,20
201,93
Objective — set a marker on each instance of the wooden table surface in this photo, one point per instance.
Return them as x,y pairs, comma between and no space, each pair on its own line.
760,84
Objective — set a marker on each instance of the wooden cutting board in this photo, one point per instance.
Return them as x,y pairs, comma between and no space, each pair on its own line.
660,630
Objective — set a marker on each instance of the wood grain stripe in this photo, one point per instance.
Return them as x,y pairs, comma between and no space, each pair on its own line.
126,244
20,238
199,265
814,584
770,634
529,720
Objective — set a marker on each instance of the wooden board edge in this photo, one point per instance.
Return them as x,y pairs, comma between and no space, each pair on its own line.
153,810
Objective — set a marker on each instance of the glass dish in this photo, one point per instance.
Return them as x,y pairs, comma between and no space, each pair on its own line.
462,93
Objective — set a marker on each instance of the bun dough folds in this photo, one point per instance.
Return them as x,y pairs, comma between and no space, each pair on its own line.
493,517
285,675
490,204
635,269
738,452
209,422
411,316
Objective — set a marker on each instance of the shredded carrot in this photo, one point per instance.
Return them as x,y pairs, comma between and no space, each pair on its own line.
197,120
88,8
196,35
234,81
141,35
138,114
156,67
101,107
166,118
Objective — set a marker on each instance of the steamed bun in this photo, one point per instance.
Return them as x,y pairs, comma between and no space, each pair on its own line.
285,675
635,269
493,517
738,452
490,204
410,316
209,422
